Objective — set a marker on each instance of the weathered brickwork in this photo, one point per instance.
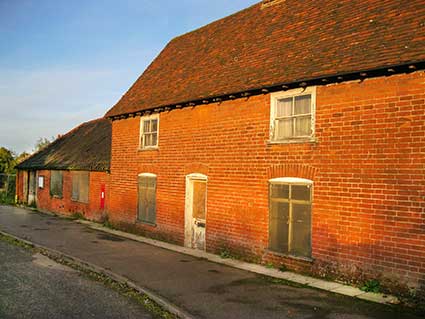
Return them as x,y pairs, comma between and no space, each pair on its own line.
20,185
368,168
65,205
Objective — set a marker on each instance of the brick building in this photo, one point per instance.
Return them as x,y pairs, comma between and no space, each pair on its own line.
290,132
70,175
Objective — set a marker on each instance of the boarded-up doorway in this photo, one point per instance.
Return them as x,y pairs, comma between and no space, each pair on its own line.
196,211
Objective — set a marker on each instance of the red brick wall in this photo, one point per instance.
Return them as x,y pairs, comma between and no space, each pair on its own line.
368,168
20,186
65,205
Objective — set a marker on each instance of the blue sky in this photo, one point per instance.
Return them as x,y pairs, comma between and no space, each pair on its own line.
65,62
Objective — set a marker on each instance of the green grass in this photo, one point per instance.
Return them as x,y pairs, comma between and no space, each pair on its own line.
76,216
372,285
16,242
7,199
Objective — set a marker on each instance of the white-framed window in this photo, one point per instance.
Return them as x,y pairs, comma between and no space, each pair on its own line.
292,115
149,129
290,216
146,198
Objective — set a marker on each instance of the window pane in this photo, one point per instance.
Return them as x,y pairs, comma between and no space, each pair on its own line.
146,126
154,125
284,107
303,126
199,199
284,128
302,104
279,191
150,182
56,183
154,139
151,200
84,187
148,140
301,192
301,230
147,199
278,228
75,186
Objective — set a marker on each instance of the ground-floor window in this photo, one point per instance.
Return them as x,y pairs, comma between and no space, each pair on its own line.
290,216
147,198
80,186
56,183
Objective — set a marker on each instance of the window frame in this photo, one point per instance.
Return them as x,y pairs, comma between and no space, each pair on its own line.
290,181
142,133
50,184
138,219
274,97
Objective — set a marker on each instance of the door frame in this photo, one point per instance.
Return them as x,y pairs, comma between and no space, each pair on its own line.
188,212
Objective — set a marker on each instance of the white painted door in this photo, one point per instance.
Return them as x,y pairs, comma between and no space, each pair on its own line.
196,210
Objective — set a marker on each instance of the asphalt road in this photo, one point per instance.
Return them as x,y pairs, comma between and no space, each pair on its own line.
33,286
201,288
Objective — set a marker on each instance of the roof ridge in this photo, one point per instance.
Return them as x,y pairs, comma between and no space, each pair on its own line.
61,137
258,48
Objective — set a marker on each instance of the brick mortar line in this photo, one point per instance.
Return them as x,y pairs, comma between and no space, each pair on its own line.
162,302
311,282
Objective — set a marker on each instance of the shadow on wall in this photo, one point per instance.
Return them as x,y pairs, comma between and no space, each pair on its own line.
358,262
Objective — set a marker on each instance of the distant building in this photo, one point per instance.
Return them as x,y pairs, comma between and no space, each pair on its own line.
70,175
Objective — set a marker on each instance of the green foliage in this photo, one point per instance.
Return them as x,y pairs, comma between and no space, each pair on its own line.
269,265
42,142
21,157
372,285
7,161
282,267
6,199
15,242
106,223
77,215
225,253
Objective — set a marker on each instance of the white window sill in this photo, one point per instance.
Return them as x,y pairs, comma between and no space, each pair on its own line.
294,141
280,254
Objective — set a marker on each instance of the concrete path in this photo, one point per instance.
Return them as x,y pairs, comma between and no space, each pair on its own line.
199,287
33,286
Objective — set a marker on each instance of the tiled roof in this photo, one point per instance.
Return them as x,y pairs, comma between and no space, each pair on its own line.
86,147
291,41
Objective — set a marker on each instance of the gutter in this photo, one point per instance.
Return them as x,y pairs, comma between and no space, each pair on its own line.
315,81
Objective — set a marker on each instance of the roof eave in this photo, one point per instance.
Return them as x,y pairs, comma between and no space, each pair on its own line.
387,70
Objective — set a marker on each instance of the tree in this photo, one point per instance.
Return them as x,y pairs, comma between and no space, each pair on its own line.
7,160
21,157
42,142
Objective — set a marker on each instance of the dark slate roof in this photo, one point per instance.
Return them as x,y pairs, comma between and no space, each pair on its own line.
291,41
86,147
